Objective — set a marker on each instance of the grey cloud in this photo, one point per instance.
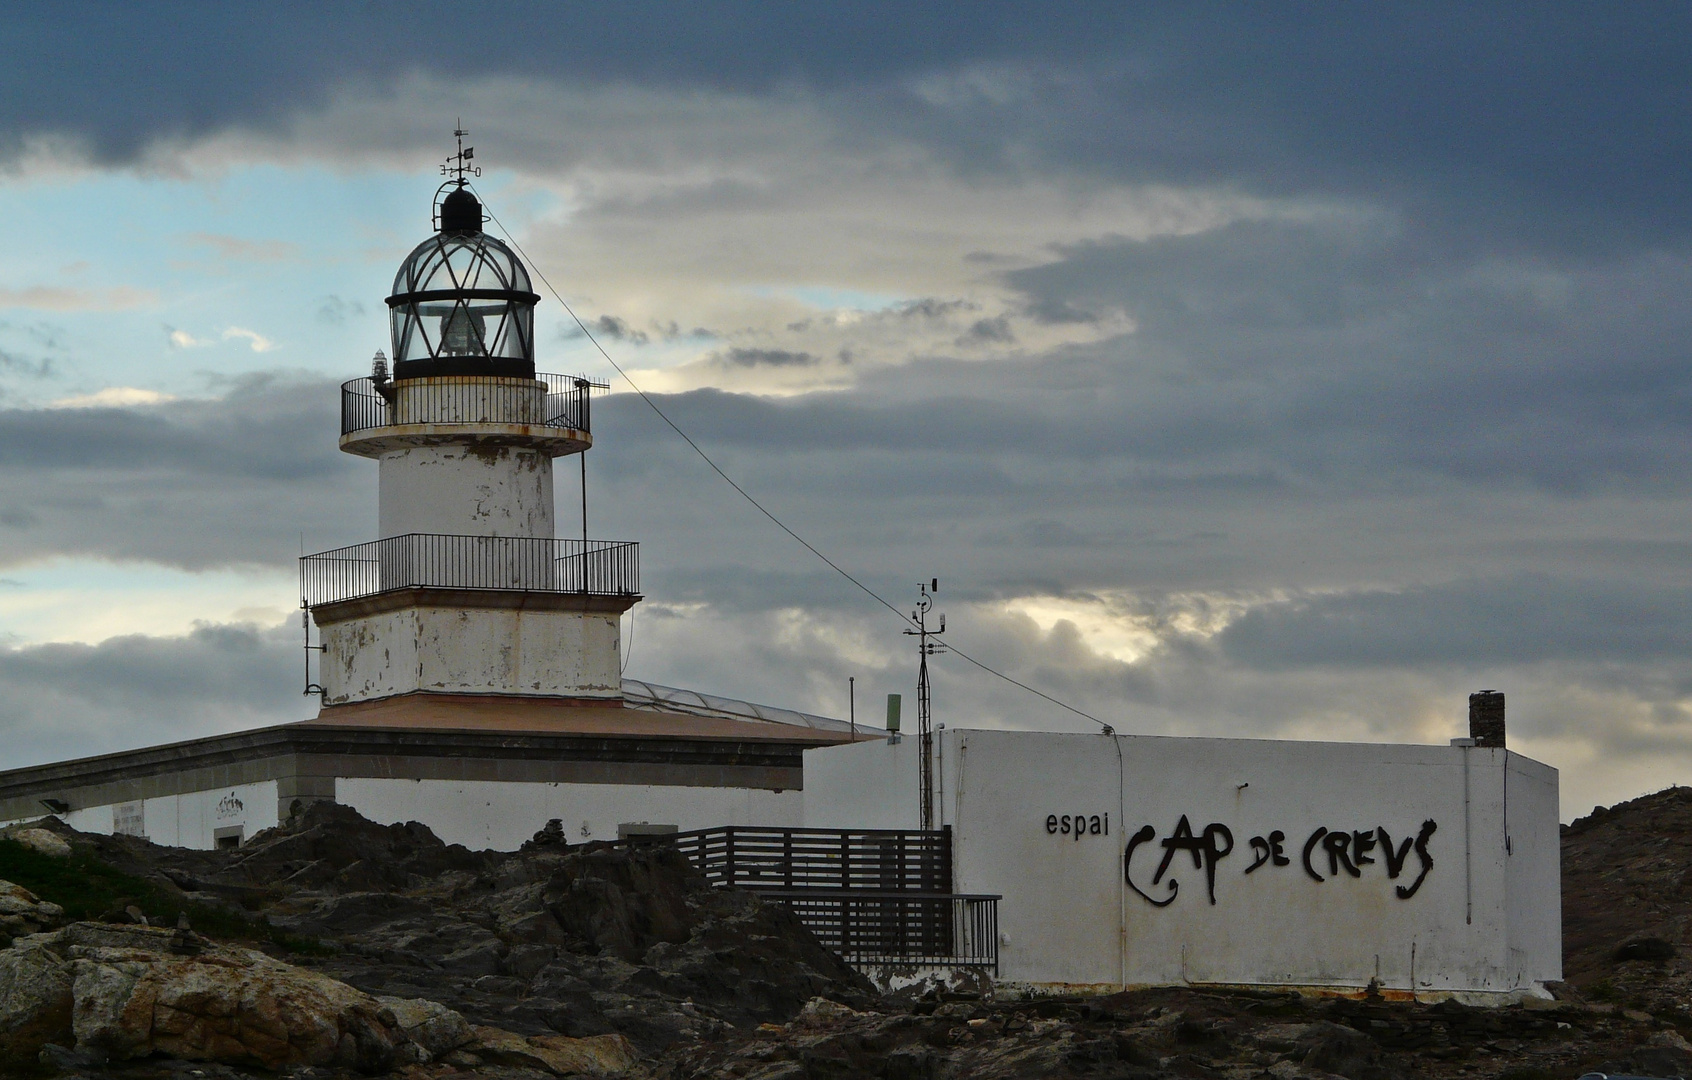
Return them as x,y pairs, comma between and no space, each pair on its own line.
994,331
192,483
1525,619
930,307
1577,144
1051,311
70,700
13,364
619,330
335,310
751,358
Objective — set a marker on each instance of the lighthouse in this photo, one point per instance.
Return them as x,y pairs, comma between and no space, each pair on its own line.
467,589
468,659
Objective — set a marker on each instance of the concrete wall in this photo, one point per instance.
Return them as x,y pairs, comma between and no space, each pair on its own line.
467,490
1534,878
1203,812
871,786
192,819
472,651
491,814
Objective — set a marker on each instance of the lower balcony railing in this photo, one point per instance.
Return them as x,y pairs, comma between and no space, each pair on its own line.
521,563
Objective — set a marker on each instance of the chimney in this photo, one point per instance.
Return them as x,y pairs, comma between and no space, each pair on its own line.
1486,718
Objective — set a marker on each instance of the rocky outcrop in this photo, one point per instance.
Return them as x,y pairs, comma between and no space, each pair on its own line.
123,992
233,1006
599,1055
35,999
22,912
575,942
432,1026
40,840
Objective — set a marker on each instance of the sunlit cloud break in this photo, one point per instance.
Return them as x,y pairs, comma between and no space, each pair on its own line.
113,397
256,341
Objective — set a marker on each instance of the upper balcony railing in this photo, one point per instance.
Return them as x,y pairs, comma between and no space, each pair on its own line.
432,560
555,401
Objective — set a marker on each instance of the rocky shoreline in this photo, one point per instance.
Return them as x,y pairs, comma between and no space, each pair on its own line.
334,947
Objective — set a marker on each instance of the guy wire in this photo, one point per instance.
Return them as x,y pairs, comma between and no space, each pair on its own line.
806,544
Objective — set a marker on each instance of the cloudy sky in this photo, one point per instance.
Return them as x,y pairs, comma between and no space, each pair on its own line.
1238,370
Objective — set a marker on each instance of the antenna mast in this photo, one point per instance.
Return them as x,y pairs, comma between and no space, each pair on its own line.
925,726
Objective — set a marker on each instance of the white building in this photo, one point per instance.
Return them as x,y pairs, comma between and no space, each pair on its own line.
1131,860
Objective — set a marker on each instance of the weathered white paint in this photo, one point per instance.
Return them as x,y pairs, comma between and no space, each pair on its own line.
1487,917
466,489
502,815
467,399
472,651
193,818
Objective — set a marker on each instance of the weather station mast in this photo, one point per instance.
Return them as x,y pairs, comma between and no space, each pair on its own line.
467,590
925,721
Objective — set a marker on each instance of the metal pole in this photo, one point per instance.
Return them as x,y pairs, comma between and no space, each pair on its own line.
852,703
925,731
584,511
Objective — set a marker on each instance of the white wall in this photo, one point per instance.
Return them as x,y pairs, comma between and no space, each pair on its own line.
192,819
1534,875
466,490
472,651
1477,922
867,785
497,814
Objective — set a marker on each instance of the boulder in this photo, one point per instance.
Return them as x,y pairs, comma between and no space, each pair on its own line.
22,912
1333,1048
820,1010
597,1055
225,1005
35,999
431,1025
38,839
1666,1053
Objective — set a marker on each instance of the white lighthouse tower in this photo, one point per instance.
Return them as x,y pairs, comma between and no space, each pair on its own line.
467,590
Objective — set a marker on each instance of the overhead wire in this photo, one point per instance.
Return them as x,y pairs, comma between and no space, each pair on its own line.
703,456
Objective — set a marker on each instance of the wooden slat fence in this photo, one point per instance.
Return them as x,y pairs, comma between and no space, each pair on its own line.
875,896
886,860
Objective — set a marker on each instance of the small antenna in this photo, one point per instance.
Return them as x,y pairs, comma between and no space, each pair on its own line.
458,165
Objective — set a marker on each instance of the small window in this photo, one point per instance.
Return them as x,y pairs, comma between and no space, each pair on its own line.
230,837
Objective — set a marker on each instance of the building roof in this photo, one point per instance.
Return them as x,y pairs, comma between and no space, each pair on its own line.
456,736
647,695
575,716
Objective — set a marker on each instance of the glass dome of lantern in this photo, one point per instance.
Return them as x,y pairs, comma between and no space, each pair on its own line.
462,301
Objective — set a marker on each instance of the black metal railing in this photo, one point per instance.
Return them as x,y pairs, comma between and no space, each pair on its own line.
880,928
889,860
874,896
561,402
525,564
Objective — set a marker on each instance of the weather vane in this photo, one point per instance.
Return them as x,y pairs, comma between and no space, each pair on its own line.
458,165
